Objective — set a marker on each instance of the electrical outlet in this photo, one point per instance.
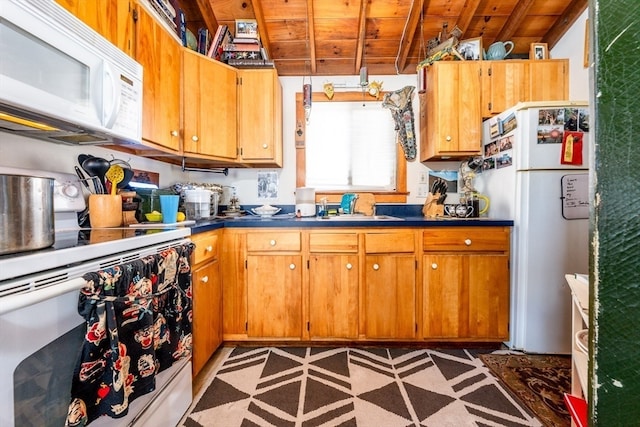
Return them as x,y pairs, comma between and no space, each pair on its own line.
424,178
423,189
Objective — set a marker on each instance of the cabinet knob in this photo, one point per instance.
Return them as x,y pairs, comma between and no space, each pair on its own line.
205,279
349,266
174,133
265,146
434,266
376,267
194,138
467,242
292,266
448,138
272,242
209,248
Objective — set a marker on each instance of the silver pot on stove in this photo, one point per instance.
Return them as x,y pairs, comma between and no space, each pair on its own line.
26,213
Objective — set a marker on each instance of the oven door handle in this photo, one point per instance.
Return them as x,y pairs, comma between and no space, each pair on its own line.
14,302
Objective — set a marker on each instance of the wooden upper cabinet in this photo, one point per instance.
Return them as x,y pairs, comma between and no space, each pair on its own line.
452,122
209,107
110,18
504,84
260,117
160,55
507,82
548,80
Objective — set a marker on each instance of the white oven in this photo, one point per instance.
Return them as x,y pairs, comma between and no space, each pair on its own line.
42,332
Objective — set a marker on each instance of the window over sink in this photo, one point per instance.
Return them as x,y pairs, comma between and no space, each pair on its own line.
349,145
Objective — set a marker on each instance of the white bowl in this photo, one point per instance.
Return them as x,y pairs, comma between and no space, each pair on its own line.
266,210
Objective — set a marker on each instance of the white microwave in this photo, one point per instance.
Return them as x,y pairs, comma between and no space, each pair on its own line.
62,81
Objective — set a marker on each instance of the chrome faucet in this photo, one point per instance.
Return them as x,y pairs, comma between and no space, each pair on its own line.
352,204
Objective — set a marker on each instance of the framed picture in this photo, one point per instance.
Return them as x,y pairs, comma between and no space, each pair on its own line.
539,51
470,49
246,28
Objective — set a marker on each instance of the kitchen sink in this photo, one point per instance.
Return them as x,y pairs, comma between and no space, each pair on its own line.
361,218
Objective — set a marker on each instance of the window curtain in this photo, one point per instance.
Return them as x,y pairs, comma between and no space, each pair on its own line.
138,318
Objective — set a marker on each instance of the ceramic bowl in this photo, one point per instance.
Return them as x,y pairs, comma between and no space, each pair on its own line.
265,210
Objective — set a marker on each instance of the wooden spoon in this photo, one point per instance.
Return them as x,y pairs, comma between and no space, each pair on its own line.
115,174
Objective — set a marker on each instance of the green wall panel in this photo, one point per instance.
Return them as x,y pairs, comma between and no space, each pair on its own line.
615,323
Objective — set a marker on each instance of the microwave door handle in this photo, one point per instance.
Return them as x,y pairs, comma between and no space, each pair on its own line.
112,94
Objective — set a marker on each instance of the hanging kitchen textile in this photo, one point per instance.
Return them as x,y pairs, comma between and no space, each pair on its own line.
138,323
399,102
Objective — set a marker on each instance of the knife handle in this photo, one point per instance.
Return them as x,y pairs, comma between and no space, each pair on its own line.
83,179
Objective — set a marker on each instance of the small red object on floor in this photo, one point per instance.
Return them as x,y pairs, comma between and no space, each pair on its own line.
577,408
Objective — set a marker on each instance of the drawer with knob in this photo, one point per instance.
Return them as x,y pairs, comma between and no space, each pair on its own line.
272,241
206,247
333,242
466,239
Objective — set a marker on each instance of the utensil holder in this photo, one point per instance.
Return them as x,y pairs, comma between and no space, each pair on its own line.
105,210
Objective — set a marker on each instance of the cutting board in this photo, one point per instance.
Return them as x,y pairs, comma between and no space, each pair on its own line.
365,203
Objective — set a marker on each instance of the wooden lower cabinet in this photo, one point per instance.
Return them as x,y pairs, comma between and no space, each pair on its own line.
405,284
390,296
333,296
389,282
207,299
274,293
466,284
274,284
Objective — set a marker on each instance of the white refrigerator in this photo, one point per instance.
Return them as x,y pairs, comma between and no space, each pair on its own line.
535,171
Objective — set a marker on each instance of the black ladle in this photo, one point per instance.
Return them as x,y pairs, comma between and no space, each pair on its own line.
96,166
128,176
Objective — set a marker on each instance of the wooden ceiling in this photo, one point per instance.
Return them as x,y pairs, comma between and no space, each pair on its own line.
337,37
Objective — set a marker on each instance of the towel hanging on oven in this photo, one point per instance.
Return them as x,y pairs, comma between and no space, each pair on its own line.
138,323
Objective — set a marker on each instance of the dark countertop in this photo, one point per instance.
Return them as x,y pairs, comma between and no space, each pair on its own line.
315,222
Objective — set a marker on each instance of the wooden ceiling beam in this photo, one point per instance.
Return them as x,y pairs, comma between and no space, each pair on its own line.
362,32
566,20
467,14
515,20
408,34
208,16
311,36
262,26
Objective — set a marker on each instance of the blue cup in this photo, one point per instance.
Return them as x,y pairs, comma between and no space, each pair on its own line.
169,208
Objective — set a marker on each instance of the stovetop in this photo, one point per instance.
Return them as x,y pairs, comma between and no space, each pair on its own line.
73,244
76,246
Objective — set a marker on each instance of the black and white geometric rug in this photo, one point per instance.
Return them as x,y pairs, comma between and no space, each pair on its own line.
364,387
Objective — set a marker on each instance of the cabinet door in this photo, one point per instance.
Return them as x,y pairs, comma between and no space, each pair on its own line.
466,297
333,296
504,84
488,296
160,56
110,18
207,313
234,284
390,296
549,80
445,297
274,306
260,117
453,116
209,106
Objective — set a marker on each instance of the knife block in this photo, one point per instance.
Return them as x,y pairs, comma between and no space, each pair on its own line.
431,208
